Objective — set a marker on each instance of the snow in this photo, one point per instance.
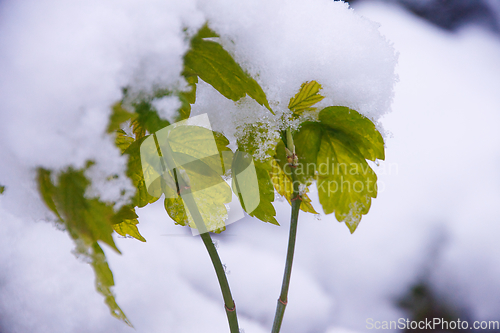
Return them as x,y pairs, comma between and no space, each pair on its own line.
61,72
447,146
63,65
167,107
284,44
437,213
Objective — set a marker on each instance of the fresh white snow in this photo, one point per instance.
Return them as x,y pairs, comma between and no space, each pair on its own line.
62,67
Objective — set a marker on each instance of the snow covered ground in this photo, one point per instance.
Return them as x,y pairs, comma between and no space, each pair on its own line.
437,217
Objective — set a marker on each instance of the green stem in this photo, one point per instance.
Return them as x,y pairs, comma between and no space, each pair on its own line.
224,285
296,201
214,256
192,207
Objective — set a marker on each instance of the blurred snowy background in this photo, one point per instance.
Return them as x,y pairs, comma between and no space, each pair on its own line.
429,246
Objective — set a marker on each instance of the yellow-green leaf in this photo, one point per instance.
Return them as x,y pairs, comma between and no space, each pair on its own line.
284,186
347,183
214,65
129,227
210,202
360,130
307,96
252,184
334,152
104,281
87,221
147,120
123,140
176,210
135,173
188,162
119,115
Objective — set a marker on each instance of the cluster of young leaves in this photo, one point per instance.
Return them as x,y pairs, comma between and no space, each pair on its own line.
339,136
331,151
90,220
206,60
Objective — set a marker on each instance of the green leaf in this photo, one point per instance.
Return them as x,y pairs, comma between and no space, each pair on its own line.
211,204
334,152
307,143
125,223
192,80
129,227
104,281
349,185
284,186
189,161
210,194
147,120
123,140
282,181
206,32
252,184
200,174
225,153
306,97
197,143
127,212
118,116
47,190
135,173
200,154
87,221
176,210
214,65
2,189
256,135
187,97
360,130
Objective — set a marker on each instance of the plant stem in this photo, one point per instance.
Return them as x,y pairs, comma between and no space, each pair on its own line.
224,285
214,256
296,201
186,195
